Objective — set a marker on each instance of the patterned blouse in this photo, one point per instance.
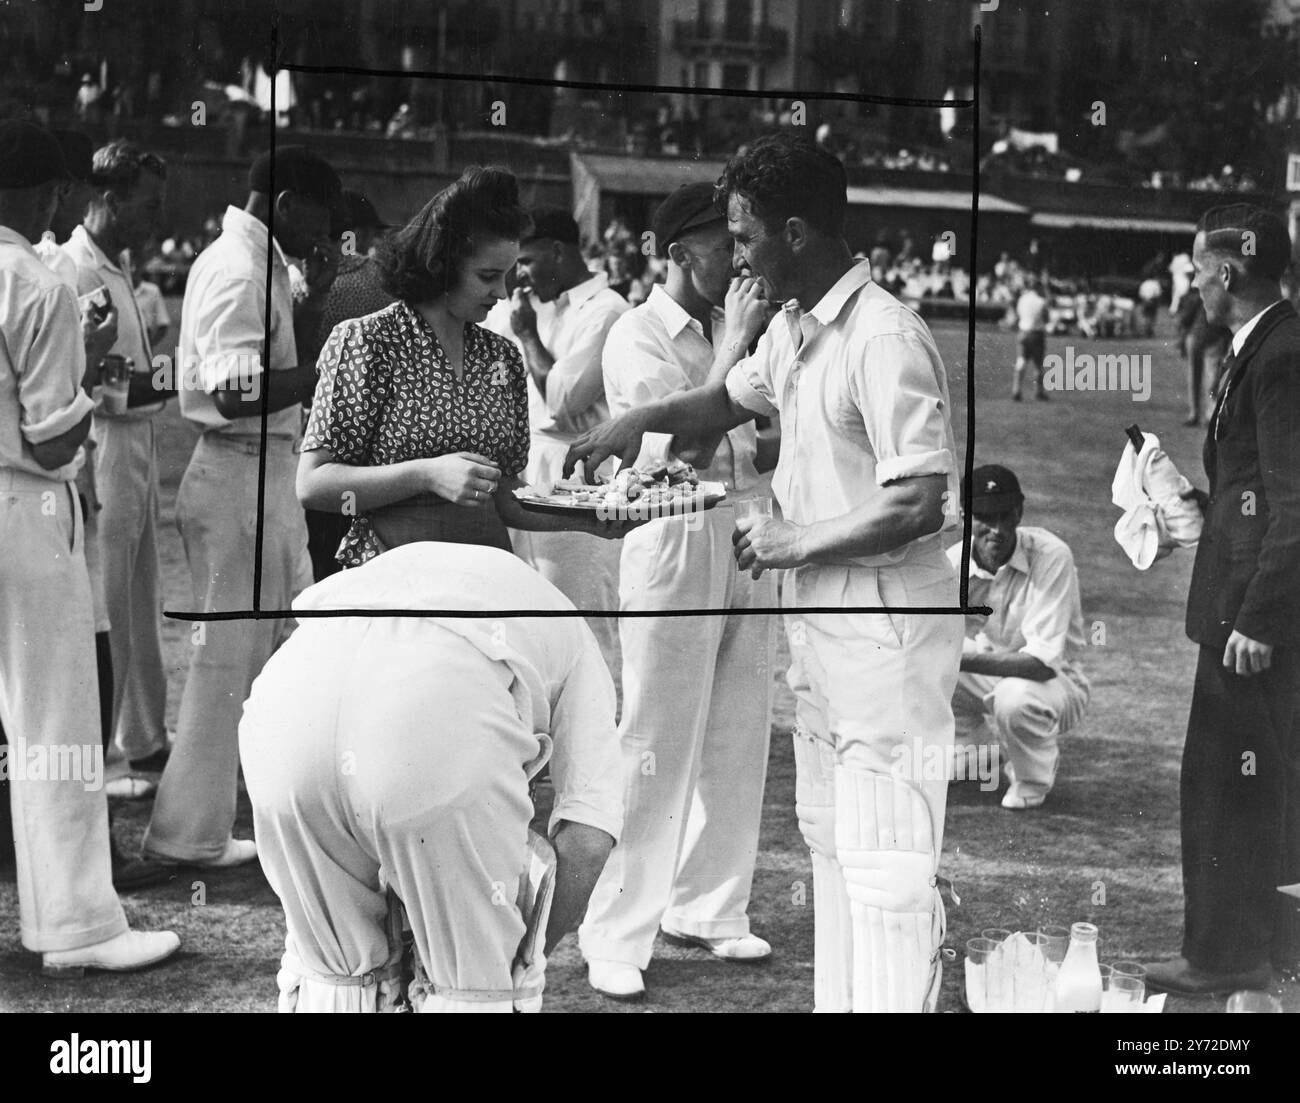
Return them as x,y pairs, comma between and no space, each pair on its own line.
387,394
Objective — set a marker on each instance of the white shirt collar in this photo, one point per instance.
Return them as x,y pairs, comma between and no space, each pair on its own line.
1239,338
579,293
251,229
1019,561
102,260
674,316
830,305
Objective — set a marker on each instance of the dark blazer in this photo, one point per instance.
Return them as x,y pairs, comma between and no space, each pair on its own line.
1247,572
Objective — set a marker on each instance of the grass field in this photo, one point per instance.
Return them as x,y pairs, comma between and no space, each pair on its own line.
1104,847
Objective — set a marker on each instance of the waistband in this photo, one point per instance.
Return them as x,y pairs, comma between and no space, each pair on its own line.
26,482
250,446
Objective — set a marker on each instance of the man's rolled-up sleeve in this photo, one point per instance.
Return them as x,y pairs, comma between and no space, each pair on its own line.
228,335
50,395
587,763
749,382
1053,596
896,386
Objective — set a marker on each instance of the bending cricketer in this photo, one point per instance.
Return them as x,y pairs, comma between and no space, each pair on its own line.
866,481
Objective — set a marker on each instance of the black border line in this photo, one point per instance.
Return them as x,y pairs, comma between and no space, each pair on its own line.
968,462
963,608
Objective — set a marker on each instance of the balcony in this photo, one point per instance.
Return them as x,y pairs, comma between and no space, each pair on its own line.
731,42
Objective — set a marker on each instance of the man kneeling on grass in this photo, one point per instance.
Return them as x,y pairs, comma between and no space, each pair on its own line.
1019,671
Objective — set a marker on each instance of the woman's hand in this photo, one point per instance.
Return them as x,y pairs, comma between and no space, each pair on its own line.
465,478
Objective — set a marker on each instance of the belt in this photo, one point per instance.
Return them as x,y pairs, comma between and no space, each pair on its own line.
250,446
14,478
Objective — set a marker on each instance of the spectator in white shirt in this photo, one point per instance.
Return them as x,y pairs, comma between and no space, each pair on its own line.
130,189
1020,673
68,911
562,350
224,321
697,691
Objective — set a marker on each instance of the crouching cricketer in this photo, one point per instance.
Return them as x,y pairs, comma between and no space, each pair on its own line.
866,481
388,762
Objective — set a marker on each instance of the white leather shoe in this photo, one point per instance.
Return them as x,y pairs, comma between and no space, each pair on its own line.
747,947
128,951
237,853
615,979
1014,800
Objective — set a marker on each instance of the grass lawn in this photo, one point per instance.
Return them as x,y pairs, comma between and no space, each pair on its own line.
1104,848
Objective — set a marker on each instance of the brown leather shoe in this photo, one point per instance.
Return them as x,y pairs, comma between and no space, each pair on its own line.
1182,978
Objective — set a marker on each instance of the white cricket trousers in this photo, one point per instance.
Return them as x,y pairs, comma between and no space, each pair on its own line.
1025,717
380,753
868,687
216,512
583,568
49,705
126,477
697,705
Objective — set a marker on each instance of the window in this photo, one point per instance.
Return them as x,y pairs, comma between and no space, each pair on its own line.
735,76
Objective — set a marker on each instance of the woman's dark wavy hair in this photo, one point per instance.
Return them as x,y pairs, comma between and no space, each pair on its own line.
421,261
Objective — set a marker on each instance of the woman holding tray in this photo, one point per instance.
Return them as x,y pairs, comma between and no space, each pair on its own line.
419,426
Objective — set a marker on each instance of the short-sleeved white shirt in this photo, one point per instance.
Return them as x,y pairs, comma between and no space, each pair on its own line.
1035,601
223,321
657,349
863,399
95,269
574,334
42,359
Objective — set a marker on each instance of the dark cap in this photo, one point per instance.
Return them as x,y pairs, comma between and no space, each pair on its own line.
994,489
689,206
29,155
78,153
553,224
297,170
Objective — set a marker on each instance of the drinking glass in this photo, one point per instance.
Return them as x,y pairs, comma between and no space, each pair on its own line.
1058,941
1124,993
1129,969
753,507
1246,1002
997,934
978,952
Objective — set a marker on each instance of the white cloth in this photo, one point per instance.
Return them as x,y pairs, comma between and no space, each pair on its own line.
223,321
395,753
658,349
1149,488
42,359
863,399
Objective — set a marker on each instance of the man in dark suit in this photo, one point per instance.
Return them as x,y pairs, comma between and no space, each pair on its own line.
1240,790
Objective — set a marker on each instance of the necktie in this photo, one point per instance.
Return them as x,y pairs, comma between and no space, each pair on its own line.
1226,375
